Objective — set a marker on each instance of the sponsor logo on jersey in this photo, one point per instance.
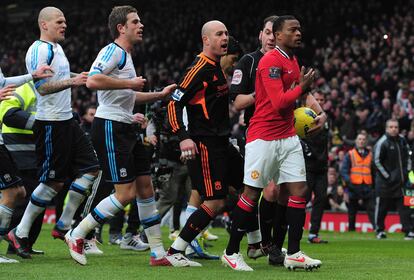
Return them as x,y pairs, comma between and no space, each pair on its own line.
237,77
177,95
99,66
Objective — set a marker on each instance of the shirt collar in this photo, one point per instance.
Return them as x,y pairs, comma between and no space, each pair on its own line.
282,52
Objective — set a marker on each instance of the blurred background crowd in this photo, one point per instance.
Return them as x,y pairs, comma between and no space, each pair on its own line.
363,52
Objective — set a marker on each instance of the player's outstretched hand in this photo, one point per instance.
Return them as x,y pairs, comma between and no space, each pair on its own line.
319,122
137,83
188,150
7,92
80,79
307,79
167,91
44,71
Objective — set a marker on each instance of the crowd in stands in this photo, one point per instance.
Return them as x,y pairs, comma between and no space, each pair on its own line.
363,51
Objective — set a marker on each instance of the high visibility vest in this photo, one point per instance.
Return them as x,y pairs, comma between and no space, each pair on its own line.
360,168
19,141
25,99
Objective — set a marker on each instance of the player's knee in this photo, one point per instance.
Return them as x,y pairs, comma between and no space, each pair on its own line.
13,195
216,206
20,193
252,193
271,193
94,173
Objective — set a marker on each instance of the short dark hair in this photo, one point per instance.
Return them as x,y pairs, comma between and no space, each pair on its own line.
271,19
119,16
233,46
280,21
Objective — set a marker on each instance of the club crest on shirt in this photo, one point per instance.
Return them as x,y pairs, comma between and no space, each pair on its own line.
237,77
123,172
7,177
274,72
217,185
255,174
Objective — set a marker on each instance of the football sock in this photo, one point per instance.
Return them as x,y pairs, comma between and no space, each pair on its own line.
76,195
105,210
150,220
280,225
189,211
40,198
295,216
6,214
195,224
243,217
267,210
254,237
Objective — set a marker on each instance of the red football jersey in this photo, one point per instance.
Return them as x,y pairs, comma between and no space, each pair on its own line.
277,89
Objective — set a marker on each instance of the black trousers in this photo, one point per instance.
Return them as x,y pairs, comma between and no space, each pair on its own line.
383,204
366,194
30,182
317,183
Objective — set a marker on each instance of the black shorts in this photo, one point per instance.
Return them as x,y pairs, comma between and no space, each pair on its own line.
8,170
63,150
217,165
120,150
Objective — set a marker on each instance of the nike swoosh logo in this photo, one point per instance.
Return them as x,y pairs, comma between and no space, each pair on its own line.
233,265
302,259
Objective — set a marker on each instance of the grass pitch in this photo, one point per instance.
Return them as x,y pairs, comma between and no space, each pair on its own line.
346,256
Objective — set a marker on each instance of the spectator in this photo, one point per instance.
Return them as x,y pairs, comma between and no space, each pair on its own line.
392,163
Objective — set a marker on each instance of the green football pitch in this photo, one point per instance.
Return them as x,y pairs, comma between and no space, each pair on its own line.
346,256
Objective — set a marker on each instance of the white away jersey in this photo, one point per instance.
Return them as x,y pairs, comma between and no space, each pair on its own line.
55,106
115,105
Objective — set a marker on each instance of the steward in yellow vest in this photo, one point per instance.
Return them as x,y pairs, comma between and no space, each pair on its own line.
17,116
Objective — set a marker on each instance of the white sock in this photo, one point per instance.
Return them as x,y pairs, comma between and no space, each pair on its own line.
150,220
41,197
254,237
179,244
189,211
105,210
76,195
5,218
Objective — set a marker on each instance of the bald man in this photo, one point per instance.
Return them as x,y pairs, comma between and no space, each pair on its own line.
63,151
205,146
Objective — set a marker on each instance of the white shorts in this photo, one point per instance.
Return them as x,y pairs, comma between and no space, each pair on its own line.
279,160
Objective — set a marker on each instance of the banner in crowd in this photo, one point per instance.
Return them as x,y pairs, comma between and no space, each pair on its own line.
331,221
339,222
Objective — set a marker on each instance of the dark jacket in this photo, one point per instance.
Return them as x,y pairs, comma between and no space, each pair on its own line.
392,163
315,151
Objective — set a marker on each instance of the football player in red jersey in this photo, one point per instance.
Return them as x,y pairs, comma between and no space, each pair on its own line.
273,151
